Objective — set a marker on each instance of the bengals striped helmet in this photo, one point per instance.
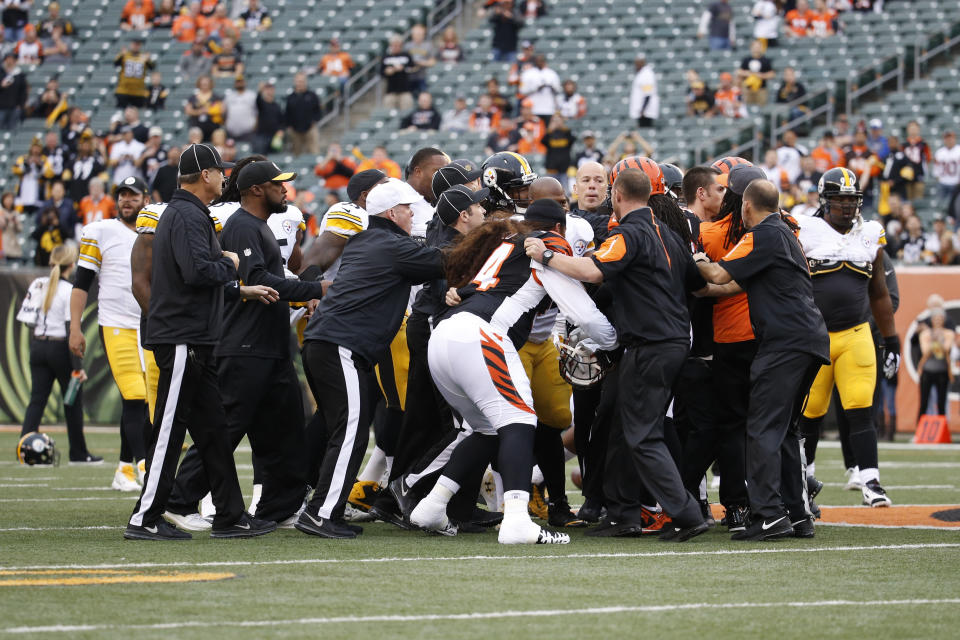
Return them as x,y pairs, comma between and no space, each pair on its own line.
645,164
725,164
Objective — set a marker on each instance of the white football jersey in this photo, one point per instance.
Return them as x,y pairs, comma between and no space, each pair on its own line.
285,226
423,213
947,165
821,242
149,217
223,211
346,220
105,248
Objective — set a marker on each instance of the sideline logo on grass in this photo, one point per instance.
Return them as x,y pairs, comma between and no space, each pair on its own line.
81,577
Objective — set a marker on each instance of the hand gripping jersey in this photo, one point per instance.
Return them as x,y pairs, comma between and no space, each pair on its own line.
841,265
105,248
346,220
149,217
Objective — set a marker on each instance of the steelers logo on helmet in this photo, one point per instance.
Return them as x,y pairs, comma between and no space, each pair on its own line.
508,176
840,197
37,448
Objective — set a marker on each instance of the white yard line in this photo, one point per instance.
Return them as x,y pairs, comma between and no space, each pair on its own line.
95,528
479,615
951,527
899,487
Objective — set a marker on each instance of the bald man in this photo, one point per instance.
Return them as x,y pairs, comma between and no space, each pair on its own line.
590,190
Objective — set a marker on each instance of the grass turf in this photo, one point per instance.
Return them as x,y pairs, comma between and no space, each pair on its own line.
391,583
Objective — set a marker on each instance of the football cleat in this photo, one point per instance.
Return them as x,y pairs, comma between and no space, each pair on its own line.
189,522
552,537
322,527
814,487
653,521
363,494
874,495
766,529
561,516
737,518
682,534
246,527
160,530
803,528
352,514
538,505
207,510
590,511
431,515
854,483
87,459
125,478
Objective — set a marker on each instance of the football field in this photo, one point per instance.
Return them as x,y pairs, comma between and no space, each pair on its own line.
66,572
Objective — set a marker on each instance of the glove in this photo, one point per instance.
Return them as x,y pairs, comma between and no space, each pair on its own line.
890,356
574,336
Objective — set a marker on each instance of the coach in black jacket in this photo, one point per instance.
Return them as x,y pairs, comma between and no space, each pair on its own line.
183,325
353,326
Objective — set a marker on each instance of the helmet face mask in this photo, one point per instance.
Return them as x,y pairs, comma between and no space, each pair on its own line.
37,448
840,197
508,176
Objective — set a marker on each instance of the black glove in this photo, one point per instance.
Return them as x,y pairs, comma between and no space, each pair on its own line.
890,356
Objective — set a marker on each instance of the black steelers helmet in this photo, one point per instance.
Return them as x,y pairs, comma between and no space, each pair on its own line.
673,177
504,173
37,448
838,181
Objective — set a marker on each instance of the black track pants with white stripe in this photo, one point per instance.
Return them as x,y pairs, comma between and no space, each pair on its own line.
188,399
346,391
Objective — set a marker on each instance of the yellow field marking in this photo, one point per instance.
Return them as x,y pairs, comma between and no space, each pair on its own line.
79,577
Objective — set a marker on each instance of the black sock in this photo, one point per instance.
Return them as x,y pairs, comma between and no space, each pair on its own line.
515,458
125,454
386,428
548,450
810,431
133,418
863,437
471,455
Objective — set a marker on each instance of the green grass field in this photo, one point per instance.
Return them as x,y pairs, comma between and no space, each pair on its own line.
64,524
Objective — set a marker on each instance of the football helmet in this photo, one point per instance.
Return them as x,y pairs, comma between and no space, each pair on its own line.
840,182
724,165
645,164
580,365
507,175
37,448
673,179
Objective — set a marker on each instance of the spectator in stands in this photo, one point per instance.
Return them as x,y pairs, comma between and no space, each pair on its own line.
131,117
53,19
228,61
33,170
5,47
425,117
336,169
301,115
84,165
134,65
808,205
791,91
29,50
862,161
203,108
450,49
58,50
913,242
270,129
827,154
47,101
878,142
497,99
644,98
165,15
523,62
379,160
627,144
949,254
137,15
75,125
531,138
898,172
11,225
766,22
185,25
124,154
457,118
423,57
728,100
507,21
165,181
15,17
798,20
485,117
823,21
541,86
64,207
240,111
395,67
717,25
775,172
49,234
255,18
219,25
808,176
789,154
841,126
558,141
55,153
98,205
700,101
209,7
154,155
946,168
503,137
158,92
195,61
754,72
918,152
336,63
13,93
590,151
218,140
570,104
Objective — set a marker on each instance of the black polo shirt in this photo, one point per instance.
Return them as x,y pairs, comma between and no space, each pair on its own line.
769,265
649,299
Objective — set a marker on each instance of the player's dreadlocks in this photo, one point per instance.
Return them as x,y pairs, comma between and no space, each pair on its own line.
731,206
668,212
465,259
231,193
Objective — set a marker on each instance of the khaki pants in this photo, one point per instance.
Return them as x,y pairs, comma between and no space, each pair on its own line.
305,142
757,97
399,101
915,190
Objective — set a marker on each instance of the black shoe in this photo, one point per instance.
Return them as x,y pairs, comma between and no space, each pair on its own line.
765,529
590,511
357,529
323,527
814,508
385,508
682,534
467,527
87,459
602,529
403,496
803,528
814,487
485,519
246,527
707,513
559,514
160,530
610,529
736,519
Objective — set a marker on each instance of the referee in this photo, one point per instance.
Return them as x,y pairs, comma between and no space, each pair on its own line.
792,343
352,329
183,326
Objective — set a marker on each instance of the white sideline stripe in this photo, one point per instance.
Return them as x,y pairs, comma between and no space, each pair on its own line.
899,487
919,465
896,446
650,554
889,526
14,485
128,496
27,478
58,528
478,615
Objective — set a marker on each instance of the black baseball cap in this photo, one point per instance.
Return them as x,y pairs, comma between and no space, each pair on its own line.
457,172
545,210
456,199
260,172
132,183
742,175
198,157
363,181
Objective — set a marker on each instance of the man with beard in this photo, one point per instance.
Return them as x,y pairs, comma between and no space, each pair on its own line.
105,251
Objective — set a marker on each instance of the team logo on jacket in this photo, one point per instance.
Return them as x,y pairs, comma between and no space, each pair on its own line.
247,252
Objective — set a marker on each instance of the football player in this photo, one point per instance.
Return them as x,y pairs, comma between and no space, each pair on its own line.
508,176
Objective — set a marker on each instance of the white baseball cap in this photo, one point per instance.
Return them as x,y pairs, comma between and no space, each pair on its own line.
389,194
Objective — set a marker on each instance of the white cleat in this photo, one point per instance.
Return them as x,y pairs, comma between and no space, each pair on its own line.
207,510
854,483
431,515
529,533
141,471
124,478
352,514
292,520
874,495
190,522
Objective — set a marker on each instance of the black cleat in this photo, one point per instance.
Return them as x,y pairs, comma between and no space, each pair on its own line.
765,529
814,487
707,513
486,519
386,508
737,519
160,530
404,497
814,508
559,514
89,458
323,528
803,528
610,529
246,527
591,510
682,534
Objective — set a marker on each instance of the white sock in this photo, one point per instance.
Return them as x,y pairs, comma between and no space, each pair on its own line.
376,465
867,475
537,475
811,469
388,467
515,505
444,490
